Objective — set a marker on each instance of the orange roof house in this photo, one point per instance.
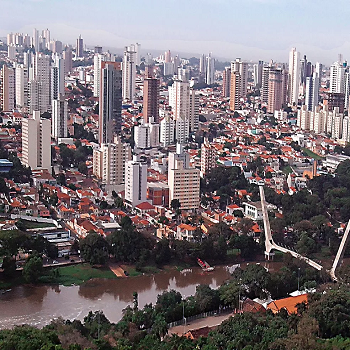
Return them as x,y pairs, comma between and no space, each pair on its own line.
289,304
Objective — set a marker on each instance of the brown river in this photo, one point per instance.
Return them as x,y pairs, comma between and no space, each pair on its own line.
38,305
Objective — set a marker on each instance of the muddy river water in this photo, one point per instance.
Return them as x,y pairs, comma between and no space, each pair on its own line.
38,305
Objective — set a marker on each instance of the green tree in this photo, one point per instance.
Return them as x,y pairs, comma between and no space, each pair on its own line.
162,252
207,299
127,245
82,167
29,338
33,268
9,266
160,326
94,249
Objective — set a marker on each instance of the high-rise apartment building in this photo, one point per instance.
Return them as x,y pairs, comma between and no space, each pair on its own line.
129,73
7,88
68,60
109,162
257,73
46,35
36,142
98,59
277,89
57,47
59,117
347,90
208,157
265,83
179,101
312,92
319,70
41,75
242,68
110,102
235,90
346,130
202,64
320,120
303,70
11,52
57,77
135,181
136,48
167,130
210,70
294,76
146,135
194,111
335,100
304,119
183,181
337,78
226,83
167,56
22,77
34,93
79,51
35,40
150,99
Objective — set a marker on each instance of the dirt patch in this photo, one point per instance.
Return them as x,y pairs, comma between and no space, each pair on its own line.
117,270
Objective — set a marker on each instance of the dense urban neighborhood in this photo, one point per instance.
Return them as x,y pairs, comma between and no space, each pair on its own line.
119,167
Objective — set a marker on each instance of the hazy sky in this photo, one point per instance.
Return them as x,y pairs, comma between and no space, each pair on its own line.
250,29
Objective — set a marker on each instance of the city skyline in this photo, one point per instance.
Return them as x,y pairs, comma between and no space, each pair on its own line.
267,28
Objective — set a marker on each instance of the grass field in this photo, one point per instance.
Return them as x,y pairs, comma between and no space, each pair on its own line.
311,154
78,274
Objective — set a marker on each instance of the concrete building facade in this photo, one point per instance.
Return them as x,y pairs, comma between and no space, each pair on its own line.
36,142
110,102
135,181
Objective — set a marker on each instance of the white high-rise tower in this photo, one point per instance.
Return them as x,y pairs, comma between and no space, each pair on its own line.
294,76
41,75
179,101
135,181
210,70
337,78
57,77
22,78
59,117
98,59
129,73
35,40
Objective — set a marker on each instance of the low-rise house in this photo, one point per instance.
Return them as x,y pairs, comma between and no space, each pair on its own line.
253,210
230,209
289,304
144,208
43,211
185,232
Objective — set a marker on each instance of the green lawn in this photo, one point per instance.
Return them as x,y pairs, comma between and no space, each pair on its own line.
78,274
149,270
311,154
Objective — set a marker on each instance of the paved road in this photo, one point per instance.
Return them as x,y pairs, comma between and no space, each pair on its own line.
210,321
